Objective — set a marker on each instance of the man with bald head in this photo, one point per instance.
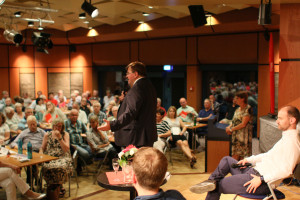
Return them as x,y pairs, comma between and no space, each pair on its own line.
77,130
185,112
278,163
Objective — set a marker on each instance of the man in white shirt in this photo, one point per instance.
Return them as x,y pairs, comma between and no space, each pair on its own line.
279,162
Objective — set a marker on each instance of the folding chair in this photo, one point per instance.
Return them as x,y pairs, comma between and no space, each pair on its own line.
99,165
74,162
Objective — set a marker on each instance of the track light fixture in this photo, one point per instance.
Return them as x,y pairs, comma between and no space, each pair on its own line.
82,16
42,41
265,13
30,24
90,9
13,36
145,14
17,14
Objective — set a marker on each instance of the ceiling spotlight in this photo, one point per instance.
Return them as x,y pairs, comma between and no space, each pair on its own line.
40,28
17,14
90,9
30,24
86,22
42,41
13,36
82,16
140,22
150,7
92,33
145,14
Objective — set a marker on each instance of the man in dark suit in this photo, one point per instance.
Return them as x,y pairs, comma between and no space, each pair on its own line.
135,123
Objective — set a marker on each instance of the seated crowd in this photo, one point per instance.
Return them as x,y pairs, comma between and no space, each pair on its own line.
58,127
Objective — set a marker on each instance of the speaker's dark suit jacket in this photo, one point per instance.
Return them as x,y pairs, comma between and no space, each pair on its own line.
136,119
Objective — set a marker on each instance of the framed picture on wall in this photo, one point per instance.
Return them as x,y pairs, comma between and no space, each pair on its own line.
27,84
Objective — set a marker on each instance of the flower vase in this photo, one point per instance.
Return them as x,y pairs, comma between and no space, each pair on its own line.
127,172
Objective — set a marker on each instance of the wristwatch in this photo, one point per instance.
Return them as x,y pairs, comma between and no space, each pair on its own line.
262,179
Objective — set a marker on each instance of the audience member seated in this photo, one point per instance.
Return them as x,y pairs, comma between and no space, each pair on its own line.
60,93
163,131
72,101
9,180
40,105
149,170
114,111
215,106
230,112
117,100
158,106
77,130
62,104
32,134
177,138
4,130
108,98
96,111
56,143
8,103
12,122
86,107
27,100
2,101
99,143
241,128
81,114
95,97
278,163
22,125
203,116
108,111
51,98
77,96
33,103
186,114
19,111
52,113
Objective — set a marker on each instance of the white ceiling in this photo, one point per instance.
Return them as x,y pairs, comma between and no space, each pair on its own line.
112,12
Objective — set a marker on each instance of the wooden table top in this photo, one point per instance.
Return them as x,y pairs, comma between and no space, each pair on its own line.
190,125
37,158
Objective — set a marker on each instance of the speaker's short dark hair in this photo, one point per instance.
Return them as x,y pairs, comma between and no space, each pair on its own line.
138,67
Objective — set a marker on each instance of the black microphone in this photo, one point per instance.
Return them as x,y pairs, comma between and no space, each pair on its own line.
240,165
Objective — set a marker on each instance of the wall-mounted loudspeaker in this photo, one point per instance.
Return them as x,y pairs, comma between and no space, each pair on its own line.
198,15
264,14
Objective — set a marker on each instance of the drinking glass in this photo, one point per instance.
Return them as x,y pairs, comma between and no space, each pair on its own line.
115,165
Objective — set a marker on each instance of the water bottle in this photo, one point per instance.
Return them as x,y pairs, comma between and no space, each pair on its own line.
29,150
20,146
195,120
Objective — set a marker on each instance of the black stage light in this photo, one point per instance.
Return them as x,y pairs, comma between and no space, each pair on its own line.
264,14
13,36
82,16
90,9
17,14
198,15
42,41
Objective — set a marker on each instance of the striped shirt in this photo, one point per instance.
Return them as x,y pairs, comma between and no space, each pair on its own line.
162,127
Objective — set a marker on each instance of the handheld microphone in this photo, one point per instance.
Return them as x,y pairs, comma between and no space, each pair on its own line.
240,165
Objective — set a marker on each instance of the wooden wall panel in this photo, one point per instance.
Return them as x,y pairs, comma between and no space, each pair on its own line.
288,89
263,50
289,31
134,51
235,48
57,57
82,57
3,55
18,58
115,53
14,82
87,79
192,51
4,79
193,93
163,51
41,80
263,93
216,150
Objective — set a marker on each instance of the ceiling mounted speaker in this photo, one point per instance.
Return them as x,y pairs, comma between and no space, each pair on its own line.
264,14
198,15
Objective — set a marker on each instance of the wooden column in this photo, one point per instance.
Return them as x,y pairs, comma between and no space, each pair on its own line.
289,51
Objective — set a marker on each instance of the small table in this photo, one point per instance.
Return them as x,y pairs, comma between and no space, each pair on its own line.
37,158
193,128
103,182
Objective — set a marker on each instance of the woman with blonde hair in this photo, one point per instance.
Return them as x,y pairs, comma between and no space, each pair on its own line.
178,129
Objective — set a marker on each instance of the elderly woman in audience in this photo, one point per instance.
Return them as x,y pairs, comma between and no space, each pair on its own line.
56,143
98,141
4,130
241,128
9,180
12,122
52,113
19,111
178,129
